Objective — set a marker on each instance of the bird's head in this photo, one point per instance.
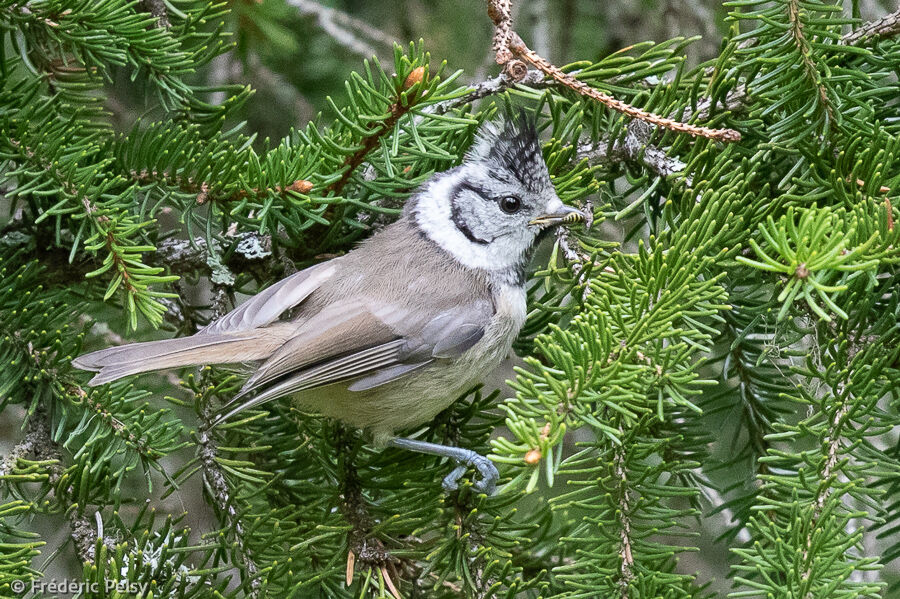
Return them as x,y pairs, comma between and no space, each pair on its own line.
489,211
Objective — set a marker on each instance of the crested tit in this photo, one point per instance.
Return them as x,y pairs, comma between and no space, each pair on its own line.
388,335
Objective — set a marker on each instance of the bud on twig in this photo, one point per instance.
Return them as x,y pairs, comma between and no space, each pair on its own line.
300,186
533,457
516,69
415,76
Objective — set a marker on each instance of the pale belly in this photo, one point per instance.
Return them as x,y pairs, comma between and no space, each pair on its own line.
417,398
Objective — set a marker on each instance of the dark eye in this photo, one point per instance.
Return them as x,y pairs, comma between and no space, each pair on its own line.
510,204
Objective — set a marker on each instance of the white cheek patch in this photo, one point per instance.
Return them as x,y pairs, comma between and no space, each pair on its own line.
434,216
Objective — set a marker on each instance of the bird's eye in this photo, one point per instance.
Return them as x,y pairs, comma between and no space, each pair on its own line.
510,204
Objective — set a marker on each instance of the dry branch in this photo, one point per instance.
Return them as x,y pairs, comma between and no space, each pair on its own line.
886,26
513,54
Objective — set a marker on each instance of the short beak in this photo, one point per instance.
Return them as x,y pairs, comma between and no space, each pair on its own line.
565,215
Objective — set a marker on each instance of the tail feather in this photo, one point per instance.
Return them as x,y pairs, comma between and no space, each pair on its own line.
116,362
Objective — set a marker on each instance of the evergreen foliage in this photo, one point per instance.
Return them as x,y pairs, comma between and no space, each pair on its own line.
749,288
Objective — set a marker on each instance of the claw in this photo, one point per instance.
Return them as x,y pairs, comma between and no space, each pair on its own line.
451,481
489,475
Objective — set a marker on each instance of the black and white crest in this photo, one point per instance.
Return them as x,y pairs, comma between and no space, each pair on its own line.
513,145
482,212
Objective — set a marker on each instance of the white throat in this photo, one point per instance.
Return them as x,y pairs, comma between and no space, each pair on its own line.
433,216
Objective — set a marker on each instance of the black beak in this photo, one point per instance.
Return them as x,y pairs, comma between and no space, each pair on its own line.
566,216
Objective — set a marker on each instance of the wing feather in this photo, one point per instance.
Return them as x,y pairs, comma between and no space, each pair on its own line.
338,330
324,374
266,306
386,375
370,342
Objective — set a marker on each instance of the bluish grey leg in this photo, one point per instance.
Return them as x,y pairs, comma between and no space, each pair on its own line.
465,457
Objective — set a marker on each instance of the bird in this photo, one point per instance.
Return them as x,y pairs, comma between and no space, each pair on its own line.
388,335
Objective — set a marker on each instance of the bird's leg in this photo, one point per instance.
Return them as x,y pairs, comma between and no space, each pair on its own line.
464,457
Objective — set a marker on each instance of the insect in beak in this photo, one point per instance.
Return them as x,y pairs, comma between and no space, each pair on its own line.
566,216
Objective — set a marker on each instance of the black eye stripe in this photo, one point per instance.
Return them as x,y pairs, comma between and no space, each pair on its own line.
480,192
456,215
477,190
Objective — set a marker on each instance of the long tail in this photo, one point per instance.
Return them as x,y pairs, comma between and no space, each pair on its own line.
115,362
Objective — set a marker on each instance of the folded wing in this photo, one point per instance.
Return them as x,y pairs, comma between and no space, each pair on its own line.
366,343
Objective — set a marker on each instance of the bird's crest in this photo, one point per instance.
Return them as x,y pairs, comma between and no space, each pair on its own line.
512,144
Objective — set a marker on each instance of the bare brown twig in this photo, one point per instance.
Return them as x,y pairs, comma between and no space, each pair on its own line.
500,12
513,54
520,49
886,26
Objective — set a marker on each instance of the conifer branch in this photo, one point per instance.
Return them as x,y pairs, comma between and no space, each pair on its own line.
363,547
127,271
158,9
626,556
191,255
74,394
217,486
202,188
28,445
396,111
804,48
214,479
832,440
735,101
634,147
886,26
118,427
39,442
495,85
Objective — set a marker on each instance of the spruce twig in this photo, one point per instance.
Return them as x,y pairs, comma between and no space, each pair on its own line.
626,555
810,70
217,484
634,147
214,478
158,9
369,143
39,442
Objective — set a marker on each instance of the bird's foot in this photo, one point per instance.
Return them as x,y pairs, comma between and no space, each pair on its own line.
489,475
